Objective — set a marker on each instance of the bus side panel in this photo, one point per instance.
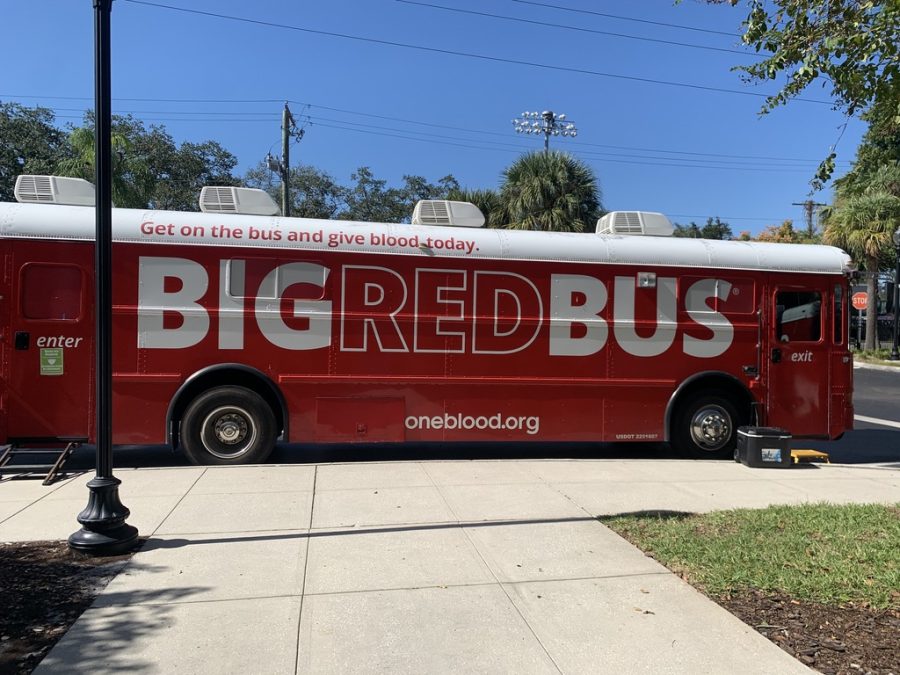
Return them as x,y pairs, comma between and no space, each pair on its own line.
5,334
434,348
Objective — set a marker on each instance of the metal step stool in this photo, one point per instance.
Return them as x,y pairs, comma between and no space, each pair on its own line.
50,469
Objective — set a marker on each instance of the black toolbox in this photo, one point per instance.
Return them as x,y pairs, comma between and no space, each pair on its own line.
766,447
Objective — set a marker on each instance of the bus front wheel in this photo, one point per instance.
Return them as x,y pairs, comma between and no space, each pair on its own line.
706,426
228,425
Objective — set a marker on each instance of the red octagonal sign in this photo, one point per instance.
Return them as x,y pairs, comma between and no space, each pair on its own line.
860,300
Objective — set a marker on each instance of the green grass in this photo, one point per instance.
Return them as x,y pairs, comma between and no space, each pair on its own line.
820,552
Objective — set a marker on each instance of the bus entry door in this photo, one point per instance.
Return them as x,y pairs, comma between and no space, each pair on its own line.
49,351
798,362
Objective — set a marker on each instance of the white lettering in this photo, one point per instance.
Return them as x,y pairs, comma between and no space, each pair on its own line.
695,303
232,281
362,312
565,313
510,331
531,425
625,325
154,302
434,310
58,341
316,312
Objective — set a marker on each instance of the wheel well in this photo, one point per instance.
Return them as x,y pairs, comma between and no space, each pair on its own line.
728,384
226,375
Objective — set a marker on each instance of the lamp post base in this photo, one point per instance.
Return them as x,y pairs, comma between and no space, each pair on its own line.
103,528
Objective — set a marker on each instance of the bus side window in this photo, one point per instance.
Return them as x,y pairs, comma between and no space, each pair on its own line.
779,312
798,316
51,292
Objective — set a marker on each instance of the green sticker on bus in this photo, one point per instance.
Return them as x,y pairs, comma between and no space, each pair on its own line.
51,361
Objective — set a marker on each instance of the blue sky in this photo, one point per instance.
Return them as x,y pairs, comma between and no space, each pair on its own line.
686,151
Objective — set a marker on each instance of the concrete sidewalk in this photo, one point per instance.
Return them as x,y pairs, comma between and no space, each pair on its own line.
444,566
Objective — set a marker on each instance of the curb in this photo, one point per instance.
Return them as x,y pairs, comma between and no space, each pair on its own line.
875,366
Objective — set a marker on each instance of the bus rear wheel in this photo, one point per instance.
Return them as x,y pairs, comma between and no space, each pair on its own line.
228,425
706,426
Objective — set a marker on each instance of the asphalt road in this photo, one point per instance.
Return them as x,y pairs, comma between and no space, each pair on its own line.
876,397
876,434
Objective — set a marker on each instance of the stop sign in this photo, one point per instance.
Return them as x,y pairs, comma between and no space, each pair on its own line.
860,300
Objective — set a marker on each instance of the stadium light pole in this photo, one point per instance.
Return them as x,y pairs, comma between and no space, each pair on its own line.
547,123
103,527
895,351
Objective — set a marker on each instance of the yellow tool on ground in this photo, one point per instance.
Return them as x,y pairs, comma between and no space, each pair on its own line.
804,455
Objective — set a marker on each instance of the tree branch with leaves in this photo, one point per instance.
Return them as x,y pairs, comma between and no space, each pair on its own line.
851,46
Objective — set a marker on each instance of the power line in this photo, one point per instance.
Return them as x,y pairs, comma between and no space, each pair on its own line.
625,18
482,57
577,28
683,215
584,143
402,134
515,147
262,115
687,162
153,100
266,117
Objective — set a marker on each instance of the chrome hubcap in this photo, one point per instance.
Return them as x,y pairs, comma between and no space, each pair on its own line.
228,432
711,427
231,428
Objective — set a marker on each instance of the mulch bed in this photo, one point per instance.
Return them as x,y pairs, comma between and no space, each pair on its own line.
44,588
833,640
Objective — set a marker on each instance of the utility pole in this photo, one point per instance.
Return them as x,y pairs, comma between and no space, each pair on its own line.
287,122
283,166
547,123
808,207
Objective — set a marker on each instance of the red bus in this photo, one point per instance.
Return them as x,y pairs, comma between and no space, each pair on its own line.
233,331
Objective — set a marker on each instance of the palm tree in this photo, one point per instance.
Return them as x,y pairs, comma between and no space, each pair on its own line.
548,191
132,182
862,222
487,201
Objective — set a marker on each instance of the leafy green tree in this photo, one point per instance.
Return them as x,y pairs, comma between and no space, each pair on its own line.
548,191
853,46
487,201
862,221
781,234
29,143
149,168
132,179
186,170
314,193
689,231
370,199
714,229
880,147
417,188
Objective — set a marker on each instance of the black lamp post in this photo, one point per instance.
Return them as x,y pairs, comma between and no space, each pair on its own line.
895,352
103,527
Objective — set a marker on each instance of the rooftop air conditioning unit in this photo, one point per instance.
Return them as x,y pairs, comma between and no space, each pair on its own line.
443,212
54,190
635,222
248,201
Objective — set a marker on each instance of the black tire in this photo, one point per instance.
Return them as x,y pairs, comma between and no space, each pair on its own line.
228,425
706,426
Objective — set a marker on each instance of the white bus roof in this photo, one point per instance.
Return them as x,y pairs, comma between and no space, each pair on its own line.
53,221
